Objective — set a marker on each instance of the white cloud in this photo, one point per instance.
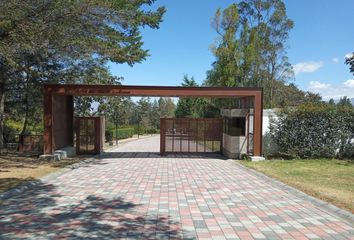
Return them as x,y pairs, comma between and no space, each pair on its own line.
319,85
349,83
335,91
348,55
335,60
307,67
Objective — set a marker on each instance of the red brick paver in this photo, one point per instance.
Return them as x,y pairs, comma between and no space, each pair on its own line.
145,196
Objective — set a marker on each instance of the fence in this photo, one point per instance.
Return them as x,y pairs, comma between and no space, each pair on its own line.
25,143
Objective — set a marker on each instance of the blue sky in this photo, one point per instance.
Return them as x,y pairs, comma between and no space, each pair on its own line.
322,36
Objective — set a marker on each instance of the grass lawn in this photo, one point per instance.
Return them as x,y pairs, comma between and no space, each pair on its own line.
16,169
329,180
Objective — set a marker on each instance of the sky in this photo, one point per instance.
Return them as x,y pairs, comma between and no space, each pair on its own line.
323,35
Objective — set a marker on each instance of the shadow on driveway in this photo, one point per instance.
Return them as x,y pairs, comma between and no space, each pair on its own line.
41,212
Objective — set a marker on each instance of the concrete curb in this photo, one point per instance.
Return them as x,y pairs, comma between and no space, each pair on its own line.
322,205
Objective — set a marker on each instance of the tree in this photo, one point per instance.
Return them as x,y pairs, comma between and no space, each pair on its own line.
67,32
117,109
251,50
344,102
189,107
350,61
166,107
144,109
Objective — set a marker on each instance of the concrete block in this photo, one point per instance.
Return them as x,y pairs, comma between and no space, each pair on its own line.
257,159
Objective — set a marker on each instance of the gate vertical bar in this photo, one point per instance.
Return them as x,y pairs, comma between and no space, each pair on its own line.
204,136
196,136
221,134
173,135
180,141
189,134
162,136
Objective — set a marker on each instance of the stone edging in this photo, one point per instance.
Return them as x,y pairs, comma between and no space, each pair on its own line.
331,209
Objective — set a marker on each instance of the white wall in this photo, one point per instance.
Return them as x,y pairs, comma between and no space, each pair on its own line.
267,115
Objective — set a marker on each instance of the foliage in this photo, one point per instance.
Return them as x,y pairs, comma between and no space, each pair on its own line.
63,41
139,129
188,107
152,131
166,108
270,148
109,135
350,62
251,49
315,130
120,133
195,107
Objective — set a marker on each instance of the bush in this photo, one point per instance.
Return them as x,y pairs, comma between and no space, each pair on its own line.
314,131
122,133
109,135
152,131
11,130
139,129
270,148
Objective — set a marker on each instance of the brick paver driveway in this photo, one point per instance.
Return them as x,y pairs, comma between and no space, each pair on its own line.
142,195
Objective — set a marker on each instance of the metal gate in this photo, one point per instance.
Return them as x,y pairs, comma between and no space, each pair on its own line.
191,135
89,135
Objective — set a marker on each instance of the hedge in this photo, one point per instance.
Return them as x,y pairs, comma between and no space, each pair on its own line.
313,131
122,133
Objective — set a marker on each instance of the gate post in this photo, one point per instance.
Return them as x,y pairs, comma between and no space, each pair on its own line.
48,120
162,136
257,123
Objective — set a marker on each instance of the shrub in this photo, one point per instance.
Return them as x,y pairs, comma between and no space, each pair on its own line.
139,129
109,135
122,133
152,131
270,148
314,130
11,130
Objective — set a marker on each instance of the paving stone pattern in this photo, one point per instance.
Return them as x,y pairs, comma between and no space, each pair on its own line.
141,195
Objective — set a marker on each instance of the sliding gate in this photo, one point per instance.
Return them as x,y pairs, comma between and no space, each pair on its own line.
191,135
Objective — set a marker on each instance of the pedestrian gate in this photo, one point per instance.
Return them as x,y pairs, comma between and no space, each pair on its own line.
191,135
89,135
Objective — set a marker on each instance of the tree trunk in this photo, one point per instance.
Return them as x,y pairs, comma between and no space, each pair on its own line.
2,117
25,123
116,134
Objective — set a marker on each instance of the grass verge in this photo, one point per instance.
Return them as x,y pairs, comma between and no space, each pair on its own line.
327,179
16,169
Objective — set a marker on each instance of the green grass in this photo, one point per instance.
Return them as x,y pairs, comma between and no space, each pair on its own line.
329,180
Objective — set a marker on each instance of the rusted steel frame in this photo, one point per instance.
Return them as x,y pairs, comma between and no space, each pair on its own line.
221,134
48,120
248,132
257,124
173,136
181,136
109,90
171,91
204,135
78,142
70,118
162,136
97,134
189,135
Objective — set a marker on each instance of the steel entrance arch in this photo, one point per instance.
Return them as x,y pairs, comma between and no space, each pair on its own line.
59,106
